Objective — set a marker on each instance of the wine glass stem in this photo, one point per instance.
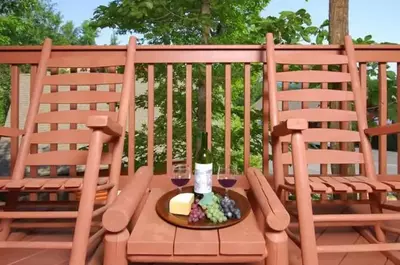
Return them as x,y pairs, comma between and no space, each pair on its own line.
226,192
180,189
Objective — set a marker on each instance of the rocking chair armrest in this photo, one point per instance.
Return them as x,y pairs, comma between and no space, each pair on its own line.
106,124
10,132
117,217
276,216
289,126
383,130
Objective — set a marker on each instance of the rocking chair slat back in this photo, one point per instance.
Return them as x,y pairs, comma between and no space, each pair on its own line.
328,97
74,95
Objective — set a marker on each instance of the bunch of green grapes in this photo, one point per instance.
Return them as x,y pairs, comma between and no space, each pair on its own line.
214,211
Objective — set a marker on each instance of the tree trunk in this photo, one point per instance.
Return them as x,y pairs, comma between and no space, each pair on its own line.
338,21
201,114
338,29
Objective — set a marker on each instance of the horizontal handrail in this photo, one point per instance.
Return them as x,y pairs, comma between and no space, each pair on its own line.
199,47
190,53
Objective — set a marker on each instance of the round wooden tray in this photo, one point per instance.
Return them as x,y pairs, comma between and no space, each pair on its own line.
162,208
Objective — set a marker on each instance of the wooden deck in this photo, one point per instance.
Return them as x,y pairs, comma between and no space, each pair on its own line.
36,256
344,235
43,256
325,236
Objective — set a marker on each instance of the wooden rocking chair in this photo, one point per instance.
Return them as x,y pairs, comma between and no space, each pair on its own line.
106,127
292,127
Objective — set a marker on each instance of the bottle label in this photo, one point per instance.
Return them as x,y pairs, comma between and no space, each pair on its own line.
203,178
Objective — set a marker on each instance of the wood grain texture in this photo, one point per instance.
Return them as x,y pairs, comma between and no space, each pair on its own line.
306,95
244,238
317,115
151,235
83,79
86,61
72,116
305,59
80,97
312,76
317,156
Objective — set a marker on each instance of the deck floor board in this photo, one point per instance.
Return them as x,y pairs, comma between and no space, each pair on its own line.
337,235
341,236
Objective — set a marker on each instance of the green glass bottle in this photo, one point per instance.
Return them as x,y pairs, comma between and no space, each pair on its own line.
203,169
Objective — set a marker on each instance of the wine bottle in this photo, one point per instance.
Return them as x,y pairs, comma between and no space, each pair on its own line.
203,169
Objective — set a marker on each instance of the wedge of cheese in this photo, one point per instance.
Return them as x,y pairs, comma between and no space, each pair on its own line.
181,203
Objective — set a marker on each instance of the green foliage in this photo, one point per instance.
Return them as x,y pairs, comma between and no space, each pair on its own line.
29,22
187,22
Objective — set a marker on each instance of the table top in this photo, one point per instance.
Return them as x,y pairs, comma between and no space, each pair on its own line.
152,235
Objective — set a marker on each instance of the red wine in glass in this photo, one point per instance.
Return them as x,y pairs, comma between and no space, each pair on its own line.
227,178
227,183
181,176
180,182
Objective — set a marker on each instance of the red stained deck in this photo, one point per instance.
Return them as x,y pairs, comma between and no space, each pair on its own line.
326,236
36,256
343,235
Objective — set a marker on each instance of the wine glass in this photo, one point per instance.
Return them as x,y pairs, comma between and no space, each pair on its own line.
227,177
181,175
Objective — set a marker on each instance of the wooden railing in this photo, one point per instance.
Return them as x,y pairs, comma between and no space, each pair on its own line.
249,56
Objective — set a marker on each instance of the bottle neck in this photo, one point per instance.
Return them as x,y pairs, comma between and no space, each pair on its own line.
204,139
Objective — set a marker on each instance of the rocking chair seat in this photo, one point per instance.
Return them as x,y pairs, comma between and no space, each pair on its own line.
346,184
154,239
50,184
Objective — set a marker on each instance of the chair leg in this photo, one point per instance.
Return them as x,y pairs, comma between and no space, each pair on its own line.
5,229
375,207
115,248
277,246
86,204
11,201
303,202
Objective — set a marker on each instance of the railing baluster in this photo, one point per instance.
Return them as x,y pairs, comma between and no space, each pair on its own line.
131,130
265,132
398,118
53,126
324,105
304,104
14,122
208,102
344,125
73,126
150,118
111,107
189,115
382,117
247,79
228,98
73,146
285,106
344,105
34,147
169,117
364,93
